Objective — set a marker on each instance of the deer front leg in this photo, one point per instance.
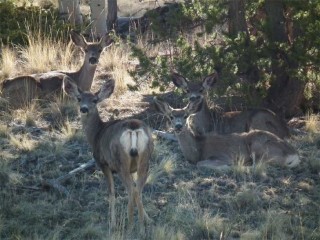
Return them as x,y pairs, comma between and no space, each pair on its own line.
111,195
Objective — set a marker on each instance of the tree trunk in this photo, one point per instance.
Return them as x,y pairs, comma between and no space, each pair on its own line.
237,24
286,91
112,14
69,10
98,18
237,21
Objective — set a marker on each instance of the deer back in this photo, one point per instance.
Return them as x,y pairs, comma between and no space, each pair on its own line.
269,147
123,143
224,148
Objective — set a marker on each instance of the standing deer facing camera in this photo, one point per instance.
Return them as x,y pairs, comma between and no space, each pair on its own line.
23,89
207,120
220,151
120,146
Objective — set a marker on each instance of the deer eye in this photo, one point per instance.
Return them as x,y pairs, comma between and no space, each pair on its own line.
171,117
79,99
95,101
185,116
100,50
201,90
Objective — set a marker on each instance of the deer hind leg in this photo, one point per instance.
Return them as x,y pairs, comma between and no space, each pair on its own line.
107,172
128,182
142,173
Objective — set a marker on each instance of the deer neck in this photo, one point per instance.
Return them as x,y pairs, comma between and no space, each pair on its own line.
189,146
84,76
91,124
201,122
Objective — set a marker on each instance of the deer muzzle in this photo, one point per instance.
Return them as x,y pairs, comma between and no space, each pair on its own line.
93,60
84,109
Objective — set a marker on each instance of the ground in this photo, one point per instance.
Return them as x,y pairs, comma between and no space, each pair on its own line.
44,141
183,201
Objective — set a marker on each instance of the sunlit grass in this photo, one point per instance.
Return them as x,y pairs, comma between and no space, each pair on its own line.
27,115
22,142
165,166
4,131
44,54
312,123
8,64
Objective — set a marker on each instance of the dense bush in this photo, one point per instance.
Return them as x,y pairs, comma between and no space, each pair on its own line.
268,58
16,22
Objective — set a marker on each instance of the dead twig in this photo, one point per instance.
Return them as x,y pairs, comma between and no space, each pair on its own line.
57,183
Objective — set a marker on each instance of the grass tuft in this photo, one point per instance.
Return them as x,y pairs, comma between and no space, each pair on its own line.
22,142
311,123
8,64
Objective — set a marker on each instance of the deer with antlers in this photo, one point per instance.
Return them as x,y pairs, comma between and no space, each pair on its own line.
22,89
216,151
120,146
207,120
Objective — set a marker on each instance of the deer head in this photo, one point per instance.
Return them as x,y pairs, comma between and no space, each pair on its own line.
92,50
88,101
178,117
194,90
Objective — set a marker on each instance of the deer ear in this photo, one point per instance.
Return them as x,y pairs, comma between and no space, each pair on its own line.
194,106
210,80
106,90
162,106
78,39
106,41
70,88
179,81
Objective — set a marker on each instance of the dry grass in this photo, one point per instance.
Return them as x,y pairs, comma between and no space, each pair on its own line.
8,64
311,123
116,61
44,141
44,54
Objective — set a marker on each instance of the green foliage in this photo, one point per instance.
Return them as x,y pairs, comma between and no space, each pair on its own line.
15,22
245,62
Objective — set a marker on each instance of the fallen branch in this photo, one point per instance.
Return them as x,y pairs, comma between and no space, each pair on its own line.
81,168
165,135
53,183
57,183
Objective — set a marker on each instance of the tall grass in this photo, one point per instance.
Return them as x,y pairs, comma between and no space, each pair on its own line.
8,64
45,53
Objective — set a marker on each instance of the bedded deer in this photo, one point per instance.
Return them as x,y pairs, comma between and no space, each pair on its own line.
207,120
22,89
120,146
213,150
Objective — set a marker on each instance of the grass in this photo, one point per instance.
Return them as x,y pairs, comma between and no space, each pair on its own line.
45,141
311,123
8,63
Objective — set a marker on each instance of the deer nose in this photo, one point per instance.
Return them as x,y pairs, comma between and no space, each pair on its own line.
84,110
178,127
93,60
194,98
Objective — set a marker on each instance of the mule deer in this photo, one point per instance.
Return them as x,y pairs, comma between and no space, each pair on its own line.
120,146
23,89
207,120
220,151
